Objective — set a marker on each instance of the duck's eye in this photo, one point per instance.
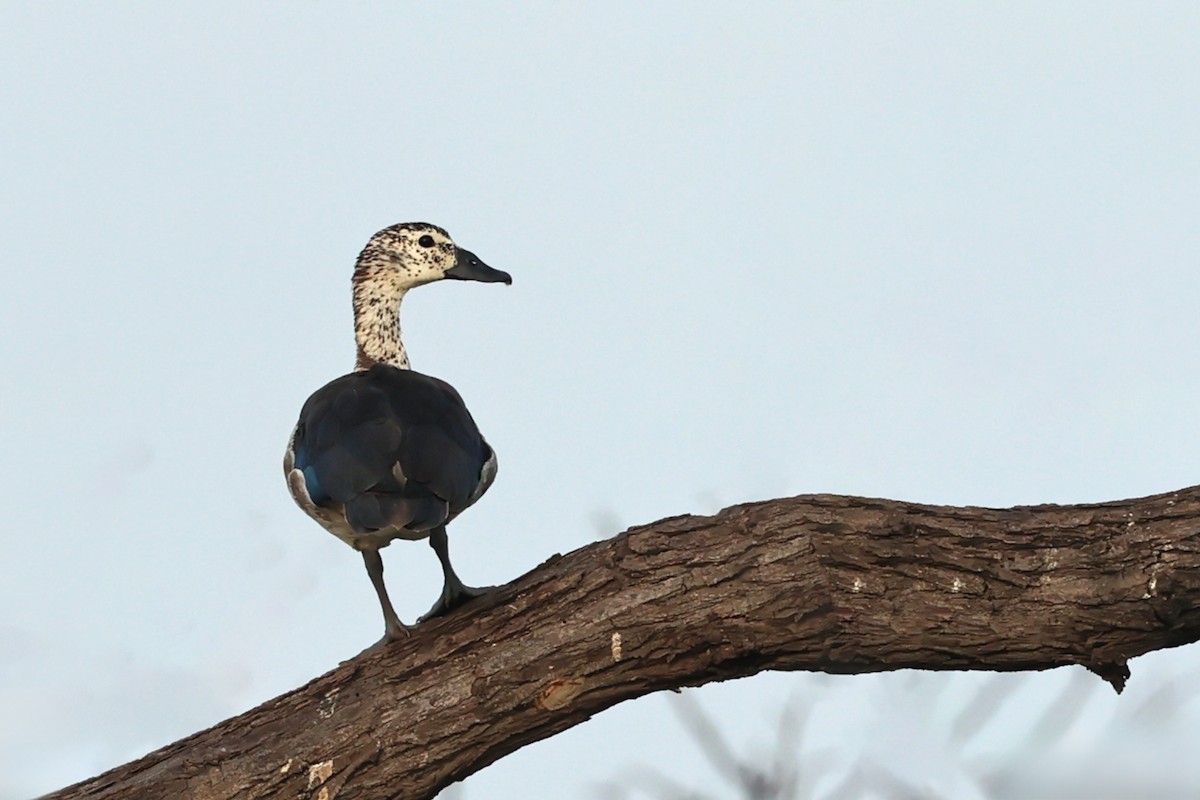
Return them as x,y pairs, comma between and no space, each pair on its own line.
425,241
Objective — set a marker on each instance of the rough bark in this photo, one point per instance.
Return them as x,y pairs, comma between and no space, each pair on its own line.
835,584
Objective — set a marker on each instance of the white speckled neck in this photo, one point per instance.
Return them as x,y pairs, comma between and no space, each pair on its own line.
377,324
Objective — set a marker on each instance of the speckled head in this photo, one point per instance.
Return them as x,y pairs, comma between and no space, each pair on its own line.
395,260
411,254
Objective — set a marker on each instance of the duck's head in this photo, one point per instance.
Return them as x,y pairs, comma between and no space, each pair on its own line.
410,254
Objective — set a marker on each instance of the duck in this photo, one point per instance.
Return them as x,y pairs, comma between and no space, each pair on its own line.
386,452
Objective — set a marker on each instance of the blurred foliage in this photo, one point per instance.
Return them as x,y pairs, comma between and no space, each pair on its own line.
1062,751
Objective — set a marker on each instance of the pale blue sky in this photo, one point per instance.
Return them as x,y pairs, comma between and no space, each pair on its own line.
946,253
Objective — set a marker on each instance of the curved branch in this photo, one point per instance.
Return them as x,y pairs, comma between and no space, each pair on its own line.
836,584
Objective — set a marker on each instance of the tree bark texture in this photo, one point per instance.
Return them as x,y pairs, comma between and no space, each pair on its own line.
827,583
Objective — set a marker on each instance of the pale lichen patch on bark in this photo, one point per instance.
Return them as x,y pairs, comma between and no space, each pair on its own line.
319,773
559,694
328,704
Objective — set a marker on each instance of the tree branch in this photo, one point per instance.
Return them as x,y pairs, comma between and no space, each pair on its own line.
836,584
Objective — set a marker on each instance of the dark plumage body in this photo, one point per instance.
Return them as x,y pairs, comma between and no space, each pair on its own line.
387,453
396,450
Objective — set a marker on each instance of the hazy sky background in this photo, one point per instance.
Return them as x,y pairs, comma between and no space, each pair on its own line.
944,253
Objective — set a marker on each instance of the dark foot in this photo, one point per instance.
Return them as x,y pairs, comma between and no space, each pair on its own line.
392,634
393,628
395,631
454,597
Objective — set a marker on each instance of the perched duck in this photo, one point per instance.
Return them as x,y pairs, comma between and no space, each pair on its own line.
385,452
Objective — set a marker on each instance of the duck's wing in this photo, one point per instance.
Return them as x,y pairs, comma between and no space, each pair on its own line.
393,447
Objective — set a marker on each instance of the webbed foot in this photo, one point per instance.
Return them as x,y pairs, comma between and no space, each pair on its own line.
454,592
453,597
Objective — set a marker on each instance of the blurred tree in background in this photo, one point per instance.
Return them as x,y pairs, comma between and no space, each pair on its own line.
933,735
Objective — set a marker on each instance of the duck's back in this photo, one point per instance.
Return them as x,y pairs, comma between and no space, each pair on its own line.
392,447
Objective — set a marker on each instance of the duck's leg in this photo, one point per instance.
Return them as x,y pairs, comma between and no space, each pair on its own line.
454,591
393,628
